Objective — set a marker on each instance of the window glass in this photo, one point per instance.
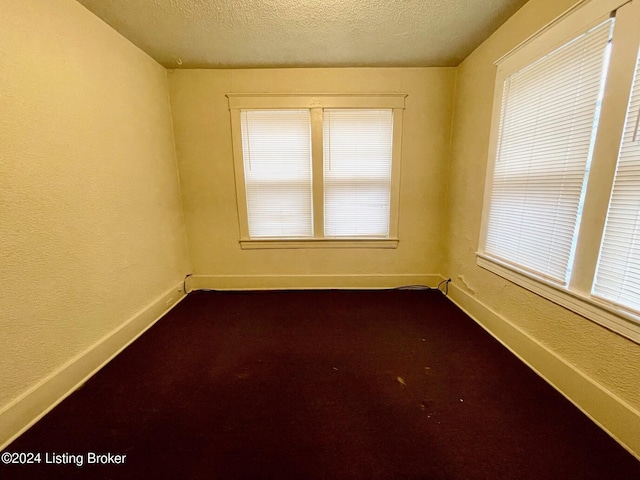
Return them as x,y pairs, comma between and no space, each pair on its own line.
277,169
548,123
357,172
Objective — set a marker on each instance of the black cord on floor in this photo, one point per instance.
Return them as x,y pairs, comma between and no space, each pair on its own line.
446,286
413,287
425,287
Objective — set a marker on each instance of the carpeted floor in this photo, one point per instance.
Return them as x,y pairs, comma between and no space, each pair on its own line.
320,385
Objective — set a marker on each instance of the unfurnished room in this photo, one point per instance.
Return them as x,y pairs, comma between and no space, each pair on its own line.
339,239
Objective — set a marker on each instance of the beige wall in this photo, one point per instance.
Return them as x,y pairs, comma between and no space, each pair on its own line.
91,228
203,139
604,357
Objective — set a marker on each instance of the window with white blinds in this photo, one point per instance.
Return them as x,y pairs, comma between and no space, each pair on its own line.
549,115
357,147
618,273
277,171
317,171
562,199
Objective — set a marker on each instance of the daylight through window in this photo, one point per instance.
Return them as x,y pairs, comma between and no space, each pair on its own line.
562,198
324,176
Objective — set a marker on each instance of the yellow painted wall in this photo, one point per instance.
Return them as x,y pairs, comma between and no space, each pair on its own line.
604,357
91,227
203,142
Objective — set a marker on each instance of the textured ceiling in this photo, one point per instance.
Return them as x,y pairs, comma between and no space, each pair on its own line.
305,33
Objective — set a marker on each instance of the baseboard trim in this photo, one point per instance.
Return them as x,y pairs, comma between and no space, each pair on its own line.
19,415
620,420
300,282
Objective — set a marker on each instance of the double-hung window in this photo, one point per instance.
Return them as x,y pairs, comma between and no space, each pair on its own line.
317,171
562,199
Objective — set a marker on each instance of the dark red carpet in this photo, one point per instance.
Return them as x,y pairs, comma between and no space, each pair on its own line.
320,385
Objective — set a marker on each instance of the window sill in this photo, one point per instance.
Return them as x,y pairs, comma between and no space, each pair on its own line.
607,315
385,243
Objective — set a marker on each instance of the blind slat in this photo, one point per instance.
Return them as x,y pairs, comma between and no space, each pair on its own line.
357,172
549,113
618,270
277,166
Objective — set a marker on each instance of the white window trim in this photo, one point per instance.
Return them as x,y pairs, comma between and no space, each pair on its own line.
315,103
577,295
320,243
607,315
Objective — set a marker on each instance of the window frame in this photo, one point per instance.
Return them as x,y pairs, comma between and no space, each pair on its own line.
316,103
577,295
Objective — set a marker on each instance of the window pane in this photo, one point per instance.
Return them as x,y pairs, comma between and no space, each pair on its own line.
357,172
549,115
618,272
277,167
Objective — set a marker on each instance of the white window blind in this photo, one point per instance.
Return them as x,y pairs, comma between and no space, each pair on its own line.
618,271
549,114
277,167
357,172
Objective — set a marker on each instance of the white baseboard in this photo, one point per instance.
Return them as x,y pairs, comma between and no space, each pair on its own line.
301,282
611,413
28,408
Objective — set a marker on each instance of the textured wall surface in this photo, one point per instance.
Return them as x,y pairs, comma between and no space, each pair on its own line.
203,141
607,358
294,33
91,227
